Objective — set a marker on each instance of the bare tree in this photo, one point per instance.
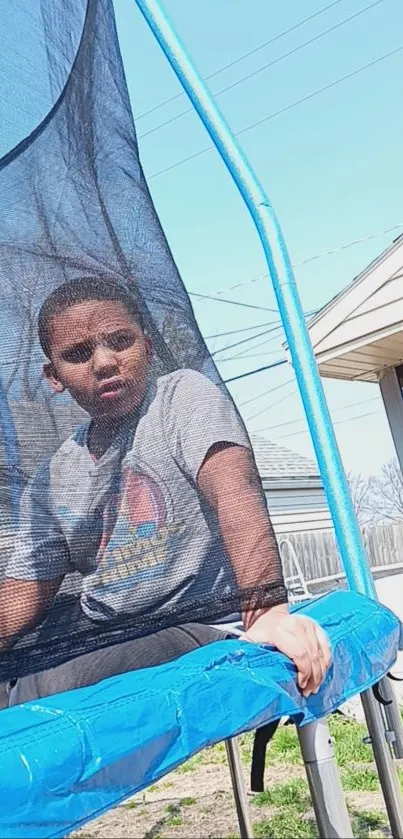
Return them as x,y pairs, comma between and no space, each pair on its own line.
360,489
385,496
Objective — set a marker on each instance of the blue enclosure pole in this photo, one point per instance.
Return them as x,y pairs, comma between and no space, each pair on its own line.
334,479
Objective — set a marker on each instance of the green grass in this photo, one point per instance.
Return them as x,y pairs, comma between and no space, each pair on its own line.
348,741
293,793
285,825
217,754
288,813
368,824
288,824
192,763
174,821
284,748
360,779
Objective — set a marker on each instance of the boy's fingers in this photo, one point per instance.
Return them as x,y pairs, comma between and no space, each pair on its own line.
320,655
302,657
324,644
305,643
314,658
314,652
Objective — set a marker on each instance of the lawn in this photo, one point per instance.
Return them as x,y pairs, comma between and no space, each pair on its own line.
196,801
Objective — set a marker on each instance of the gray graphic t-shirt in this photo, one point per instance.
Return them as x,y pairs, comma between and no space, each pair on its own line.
133,522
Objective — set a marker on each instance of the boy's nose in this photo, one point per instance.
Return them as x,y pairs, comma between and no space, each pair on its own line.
104,362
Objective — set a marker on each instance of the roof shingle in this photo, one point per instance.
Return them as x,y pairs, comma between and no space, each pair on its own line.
275,461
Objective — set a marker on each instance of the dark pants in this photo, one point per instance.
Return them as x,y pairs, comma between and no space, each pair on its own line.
88,669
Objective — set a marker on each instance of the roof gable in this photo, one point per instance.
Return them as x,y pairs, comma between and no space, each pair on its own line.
371,305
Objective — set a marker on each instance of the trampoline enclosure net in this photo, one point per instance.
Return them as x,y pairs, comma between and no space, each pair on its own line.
105,533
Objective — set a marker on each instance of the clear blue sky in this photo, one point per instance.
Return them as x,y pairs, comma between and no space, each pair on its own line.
332,167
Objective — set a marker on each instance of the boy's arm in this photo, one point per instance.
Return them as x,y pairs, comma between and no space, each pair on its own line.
38,564
229,482
22,604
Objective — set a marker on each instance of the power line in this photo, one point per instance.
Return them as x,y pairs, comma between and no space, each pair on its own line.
244,341
272,405
234,302
253,372
319,255
266,66
240,303
350,244
234,331
245,354
275,327
266,392
245,55
293,422
284,109
338,422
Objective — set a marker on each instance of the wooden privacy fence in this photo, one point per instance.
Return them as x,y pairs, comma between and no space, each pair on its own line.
317,555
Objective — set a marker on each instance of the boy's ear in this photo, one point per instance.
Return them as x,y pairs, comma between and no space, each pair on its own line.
50,374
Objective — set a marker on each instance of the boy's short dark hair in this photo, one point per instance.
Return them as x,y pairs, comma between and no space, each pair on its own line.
79,291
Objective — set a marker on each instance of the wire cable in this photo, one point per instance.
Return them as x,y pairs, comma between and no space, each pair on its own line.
272,63
272,405
234,331
245,55
254,372
266,392
247,340
302,419
319,255
284,109
234,302
338,422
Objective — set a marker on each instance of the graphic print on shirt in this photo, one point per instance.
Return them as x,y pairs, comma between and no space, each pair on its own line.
138,532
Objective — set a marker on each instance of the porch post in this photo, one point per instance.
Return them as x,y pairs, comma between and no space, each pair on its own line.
393,402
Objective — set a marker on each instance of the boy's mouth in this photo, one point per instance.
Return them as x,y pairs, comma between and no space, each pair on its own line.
111,389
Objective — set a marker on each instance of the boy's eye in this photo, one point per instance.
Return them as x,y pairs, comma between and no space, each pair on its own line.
79,354
119,341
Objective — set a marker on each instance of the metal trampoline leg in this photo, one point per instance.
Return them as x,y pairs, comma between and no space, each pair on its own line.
393,717
239,789
386,766
322,772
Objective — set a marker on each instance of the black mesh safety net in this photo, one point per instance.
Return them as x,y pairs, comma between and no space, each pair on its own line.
113,523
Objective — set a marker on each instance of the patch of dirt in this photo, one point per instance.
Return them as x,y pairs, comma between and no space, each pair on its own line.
184,805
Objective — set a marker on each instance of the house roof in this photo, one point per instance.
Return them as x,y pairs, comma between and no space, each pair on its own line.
279,463
359,333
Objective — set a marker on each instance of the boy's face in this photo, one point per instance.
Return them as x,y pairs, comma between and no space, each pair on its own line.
101,356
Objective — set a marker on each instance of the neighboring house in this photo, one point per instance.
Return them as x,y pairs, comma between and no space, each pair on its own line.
358,335
293,488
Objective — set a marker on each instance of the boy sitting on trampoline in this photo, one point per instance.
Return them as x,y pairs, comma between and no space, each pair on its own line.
156,502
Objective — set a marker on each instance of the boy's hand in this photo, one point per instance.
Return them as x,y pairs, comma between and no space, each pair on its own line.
300,639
